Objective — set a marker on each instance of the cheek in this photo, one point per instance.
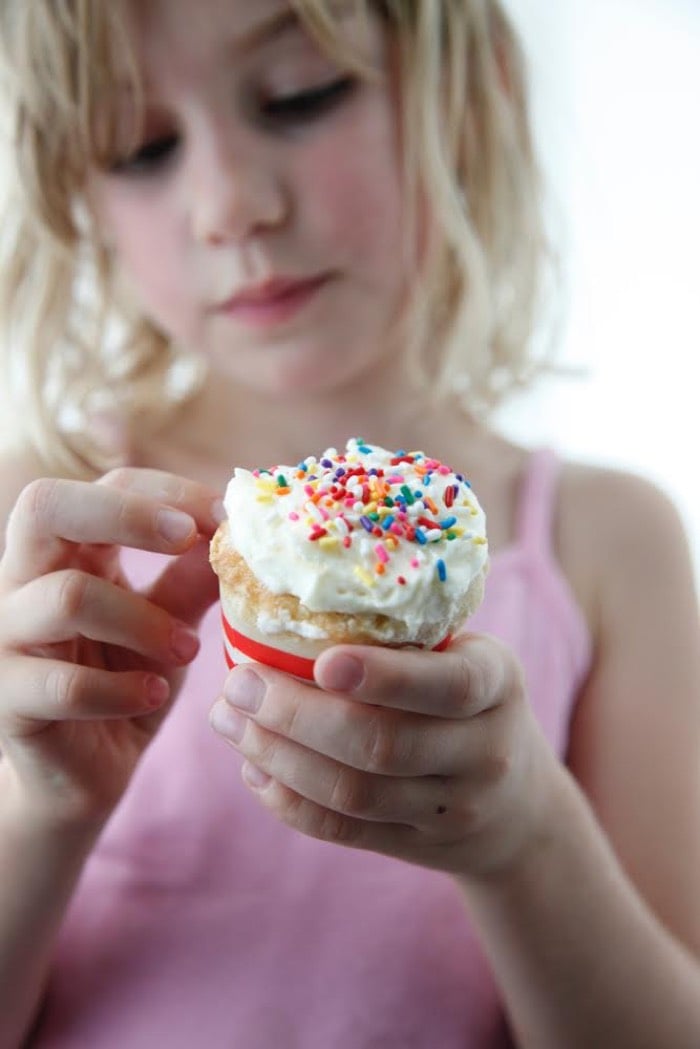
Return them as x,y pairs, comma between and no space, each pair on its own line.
148,256
353,196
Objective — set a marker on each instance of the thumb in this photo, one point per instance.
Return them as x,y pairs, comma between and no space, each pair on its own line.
188,586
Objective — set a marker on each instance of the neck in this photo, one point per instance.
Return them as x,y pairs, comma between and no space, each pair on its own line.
226,426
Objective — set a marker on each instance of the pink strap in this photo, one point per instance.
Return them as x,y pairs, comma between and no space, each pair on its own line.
537,503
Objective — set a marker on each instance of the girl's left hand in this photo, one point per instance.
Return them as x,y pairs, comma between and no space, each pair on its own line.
434,758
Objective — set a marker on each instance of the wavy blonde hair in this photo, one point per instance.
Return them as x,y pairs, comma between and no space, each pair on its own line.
73,345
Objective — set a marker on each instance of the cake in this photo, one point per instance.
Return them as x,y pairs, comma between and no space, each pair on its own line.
366,546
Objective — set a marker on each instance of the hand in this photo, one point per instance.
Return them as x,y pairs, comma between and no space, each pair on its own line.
434,758
89,666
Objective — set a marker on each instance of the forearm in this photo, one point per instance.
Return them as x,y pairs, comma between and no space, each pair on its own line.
580,959
40,868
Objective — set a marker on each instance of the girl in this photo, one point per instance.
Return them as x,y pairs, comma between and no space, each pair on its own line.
240,231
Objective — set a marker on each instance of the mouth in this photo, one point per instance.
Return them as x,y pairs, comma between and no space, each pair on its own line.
273,301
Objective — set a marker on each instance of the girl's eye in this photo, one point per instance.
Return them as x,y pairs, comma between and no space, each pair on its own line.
149,158
306,106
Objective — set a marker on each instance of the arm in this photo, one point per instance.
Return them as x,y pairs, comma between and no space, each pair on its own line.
590,920
591,946
40,868
87,666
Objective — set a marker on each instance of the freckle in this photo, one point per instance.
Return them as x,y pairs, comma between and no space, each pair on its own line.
441,810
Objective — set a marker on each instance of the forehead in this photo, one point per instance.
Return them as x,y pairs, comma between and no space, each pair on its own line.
189,31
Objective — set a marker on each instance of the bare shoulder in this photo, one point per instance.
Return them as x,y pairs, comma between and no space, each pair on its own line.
634,740
617,535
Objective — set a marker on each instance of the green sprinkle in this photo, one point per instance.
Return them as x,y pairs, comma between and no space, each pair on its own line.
282,481
408,494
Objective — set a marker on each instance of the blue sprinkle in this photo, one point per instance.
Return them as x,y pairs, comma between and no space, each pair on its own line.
340,472
448,522
303,467
366,524
388,522
326,463
427,479
441,571
372,472
364,449
420,537
418,495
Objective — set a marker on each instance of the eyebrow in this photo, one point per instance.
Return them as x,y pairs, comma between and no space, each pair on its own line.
268,29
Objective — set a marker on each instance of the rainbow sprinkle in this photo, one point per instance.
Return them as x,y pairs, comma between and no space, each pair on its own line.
408,502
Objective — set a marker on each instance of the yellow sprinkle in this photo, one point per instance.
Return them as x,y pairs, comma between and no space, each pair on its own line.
458,530
391,541
363,576
479,540
328,542
263,498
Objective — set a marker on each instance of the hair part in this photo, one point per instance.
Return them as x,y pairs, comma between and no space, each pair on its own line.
74,345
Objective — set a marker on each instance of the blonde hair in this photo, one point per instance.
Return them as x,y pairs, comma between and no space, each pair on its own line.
72,343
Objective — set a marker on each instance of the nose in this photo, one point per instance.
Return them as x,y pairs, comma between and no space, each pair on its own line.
234,193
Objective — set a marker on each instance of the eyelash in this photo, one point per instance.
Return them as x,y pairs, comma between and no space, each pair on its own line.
276,114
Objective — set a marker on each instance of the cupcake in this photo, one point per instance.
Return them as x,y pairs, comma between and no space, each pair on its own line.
366,546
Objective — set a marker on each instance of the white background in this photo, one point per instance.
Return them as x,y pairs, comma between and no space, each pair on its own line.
616,88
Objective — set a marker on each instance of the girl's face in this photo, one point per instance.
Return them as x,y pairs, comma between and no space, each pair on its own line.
259,219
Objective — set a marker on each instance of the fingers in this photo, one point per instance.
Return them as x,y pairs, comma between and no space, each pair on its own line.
120,510
407,800
199,501
37,691
365,737
71,604
474,674
188,586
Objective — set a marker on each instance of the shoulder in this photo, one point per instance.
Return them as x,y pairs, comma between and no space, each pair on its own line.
635,734
617,535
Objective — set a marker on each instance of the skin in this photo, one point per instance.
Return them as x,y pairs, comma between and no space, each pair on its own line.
581,876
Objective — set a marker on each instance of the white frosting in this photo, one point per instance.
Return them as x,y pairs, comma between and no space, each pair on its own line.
276,527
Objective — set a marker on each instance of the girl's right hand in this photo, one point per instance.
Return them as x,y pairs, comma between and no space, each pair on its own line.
89,666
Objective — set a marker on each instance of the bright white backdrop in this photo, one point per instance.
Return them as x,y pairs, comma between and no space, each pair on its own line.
617,97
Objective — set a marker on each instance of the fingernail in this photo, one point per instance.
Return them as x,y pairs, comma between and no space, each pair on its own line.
174,526
228,722
184,644
255,777
245,690
157,690
343,674
218,511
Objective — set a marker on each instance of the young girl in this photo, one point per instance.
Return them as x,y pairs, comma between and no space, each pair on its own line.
241,231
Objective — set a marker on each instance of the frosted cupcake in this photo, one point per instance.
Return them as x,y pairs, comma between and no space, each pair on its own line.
366,546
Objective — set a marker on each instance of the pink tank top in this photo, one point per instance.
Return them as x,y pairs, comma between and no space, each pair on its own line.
202,921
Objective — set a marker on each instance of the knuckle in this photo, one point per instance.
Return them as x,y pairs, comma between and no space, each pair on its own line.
382,748
497,766
334,827
350,794
72,593
467,814
38,498
64,687
462,684
120,477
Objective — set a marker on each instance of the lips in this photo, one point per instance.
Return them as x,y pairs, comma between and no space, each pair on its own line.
273,301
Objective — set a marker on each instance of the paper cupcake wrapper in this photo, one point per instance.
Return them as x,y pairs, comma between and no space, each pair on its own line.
241,649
